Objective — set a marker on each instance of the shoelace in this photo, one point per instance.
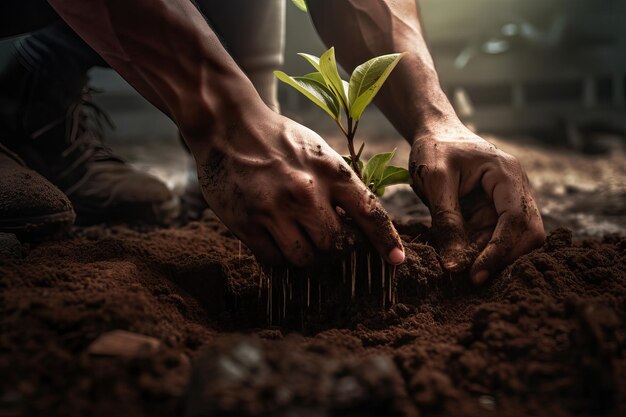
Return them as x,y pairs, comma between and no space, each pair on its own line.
85,126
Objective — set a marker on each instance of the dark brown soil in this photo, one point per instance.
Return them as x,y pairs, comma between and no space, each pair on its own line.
545,338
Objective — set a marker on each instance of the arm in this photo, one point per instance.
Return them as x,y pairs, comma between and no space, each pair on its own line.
273,182
470,187
168,53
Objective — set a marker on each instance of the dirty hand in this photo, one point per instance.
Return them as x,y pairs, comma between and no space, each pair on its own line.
478,194
276,185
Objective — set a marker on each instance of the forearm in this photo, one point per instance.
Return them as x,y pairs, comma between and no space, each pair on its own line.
166,50
412,98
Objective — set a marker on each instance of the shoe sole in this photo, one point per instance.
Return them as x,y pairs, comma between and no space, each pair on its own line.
32,227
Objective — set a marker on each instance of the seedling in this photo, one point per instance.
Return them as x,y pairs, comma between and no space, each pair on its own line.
325,88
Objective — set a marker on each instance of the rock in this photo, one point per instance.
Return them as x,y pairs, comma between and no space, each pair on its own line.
10,246
487,402
123,343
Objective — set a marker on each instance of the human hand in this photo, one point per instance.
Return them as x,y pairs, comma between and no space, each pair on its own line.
477,194
276,185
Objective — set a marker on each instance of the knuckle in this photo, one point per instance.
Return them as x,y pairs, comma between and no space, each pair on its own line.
508,161
369,205
448,218
343,172
302,188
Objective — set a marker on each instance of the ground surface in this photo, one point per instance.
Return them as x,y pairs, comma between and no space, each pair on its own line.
545,338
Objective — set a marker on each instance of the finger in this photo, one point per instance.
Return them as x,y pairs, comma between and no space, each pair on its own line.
511,239
518,231
315,215
261,243
481,237
441,191
292,242
360,204
324,228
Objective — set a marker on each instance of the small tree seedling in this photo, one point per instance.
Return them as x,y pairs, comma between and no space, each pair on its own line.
325,88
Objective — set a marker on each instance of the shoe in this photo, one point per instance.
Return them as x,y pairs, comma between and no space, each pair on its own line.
30,206
58,131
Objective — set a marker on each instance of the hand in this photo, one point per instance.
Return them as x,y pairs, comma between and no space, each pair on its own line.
476,193
276,185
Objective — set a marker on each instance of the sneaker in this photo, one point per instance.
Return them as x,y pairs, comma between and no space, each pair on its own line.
58,131
30,206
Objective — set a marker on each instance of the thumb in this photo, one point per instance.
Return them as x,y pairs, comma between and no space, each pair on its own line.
441,195
366,210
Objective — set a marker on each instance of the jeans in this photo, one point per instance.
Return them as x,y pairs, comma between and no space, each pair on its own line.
252,31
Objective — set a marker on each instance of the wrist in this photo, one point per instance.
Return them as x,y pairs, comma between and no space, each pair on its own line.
212,111
439,126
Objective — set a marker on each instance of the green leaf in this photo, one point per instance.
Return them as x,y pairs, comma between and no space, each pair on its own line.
375,168
316,76
300,4
313,90
328,68
367,79
393,175
346,89
313,60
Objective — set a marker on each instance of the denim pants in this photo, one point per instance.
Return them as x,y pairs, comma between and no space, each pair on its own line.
252,32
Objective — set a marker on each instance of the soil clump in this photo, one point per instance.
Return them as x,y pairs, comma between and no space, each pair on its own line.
546,337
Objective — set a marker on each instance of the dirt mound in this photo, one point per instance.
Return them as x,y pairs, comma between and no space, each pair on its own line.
545,338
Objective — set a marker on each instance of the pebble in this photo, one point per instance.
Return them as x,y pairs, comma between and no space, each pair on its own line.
123,343
487,402
10,246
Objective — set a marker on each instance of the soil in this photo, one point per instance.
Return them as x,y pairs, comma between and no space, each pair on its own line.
225,337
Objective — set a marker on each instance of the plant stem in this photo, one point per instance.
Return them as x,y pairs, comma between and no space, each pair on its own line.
350,137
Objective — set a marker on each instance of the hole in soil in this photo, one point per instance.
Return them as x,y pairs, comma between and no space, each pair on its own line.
358,287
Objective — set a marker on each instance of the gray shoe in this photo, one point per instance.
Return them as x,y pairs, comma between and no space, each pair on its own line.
30,206
58,132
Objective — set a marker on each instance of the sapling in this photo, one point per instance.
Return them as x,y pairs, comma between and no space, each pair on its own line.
345,102
325,88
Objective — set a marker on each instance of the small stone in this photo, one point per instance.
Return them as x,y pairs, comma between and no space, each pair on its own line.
123,343
10,246
487,402
349,391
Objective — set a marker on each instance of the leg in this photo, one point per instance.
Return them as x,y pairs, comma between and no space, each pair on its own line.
48,119
253,32
32,207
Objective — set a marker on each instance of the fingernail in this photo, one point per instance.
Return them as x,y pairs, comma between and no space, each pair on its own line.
480,277
396,256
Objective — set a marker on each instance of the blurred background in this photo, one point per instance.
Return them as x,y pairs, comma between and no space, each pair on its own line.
543,79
